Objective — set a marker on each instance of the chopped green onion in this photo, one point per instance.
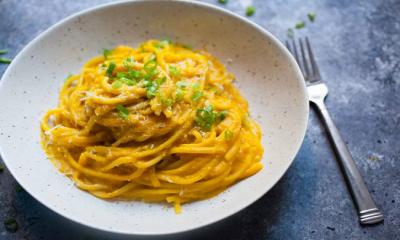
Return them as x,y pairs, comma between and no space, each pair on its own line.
174,71
116,84
5,60
197,95
250,10
150,65
151,91
300,25
222,1
134,74
121,75
128,81
110,69
106,53
221,115
228,135
311,16
163,43
179,94
290,33
128,63
182,84
3,51
11,225
160,81
123,112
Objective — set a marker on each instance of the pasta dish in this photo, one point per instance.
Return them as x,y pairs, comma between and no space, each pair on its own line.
159,123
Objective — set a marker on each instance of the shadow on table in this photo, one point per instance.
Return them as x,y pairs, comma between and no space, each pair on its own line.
250,223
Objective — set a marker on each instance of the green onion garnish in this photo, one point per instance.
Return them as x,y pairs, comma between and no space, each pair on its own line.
221,115
197,95
11,225
116,84
300,25
106,53
128,63
3,51
228,135
134,74
182,84
110,69
123,112
222,1
174,71
311,16
250,10
5,60
179,94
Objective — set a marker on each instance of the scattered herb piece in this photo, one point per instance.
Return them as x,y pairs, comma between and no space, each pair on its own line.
174,71
3,51
11,225
250,10
179,94
223,1
110,69
128,63
163,43
228,135
300,25
311,16
290,33
116,84
106,53
197,95
123,112
1,168
182,84
134,74
206,117
221,115
5,60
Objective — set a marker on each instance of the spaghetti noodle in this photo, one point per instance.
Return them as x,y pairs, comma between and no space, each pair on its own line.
158,123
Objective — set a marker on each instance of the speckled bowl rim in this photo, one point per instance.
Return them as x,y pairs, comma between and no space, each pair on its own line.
206,6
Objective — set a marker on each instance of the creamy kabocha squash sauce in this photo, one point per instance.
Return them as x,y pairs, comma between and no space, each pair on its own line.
160,123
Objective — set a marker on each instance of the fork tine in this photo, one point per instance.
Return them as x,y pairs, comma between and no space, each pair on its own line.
306,64
314,65
296,56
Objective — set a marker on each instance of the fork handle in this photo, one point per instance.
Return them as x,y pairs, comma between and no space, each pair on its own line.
367,210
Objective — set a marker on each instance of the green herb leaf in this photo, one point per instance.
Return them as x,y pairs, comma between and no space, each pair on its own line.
123,112
250,10
160,81
290,33
179,94
11,225
128,63
128,81
311,16
5,60
134,74
223,1
228,135
182,84
174,71
205,118
116,84
106,53
221,116
3,51
110,69
197,95
300,25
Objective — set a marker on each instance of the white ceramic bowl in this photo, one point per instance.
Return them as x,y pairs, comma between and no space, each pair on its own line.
266,74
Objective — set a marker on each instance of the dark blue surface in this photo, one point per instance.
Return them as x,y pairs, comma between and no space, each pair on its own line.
357,44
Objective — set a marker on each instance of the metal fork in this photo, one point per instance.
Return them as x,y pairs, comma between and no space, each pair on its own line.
317,90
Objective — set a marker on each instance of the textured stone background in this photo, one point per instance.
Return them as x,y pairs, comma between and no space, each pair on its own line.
357,44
